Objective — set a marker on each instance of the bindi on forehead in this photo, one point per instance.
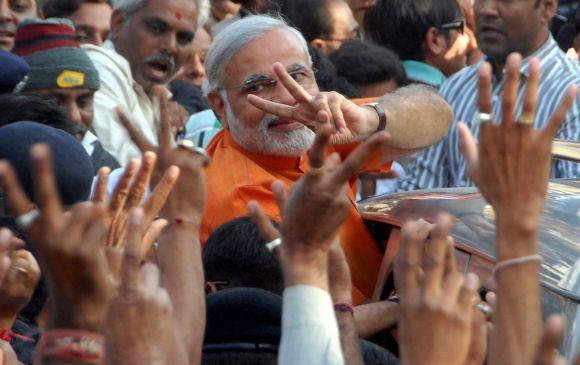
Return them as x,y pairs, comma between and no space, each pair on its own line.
178,15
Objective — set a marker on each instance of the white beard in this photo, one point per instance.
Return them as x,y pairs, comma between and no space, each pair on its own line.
259,139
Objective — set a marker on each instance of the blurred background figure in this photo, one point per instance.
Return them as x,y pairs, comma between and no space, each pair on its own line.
13,72
474,55
325,24
186,87
11,14
429,36
92,18
244,9
359,9
372,70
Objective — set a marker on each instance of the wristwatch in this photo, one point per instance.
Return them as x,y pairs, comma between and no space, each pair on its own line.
382,116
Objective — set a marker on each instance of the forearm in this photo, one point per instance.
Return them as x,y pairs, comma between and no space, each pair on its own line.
373,318
518,322
349,338
417,117
182,275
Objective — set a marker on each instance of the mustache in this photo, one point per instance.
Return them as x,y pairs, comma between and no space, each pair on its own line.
163,59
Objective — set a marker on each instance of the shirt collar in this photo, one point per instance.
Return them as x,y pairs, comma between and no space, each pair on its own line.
423,72
124,64
543,53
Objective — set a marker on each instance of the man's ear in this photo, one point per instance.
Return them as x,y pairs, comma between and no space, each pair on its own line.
319,43
435,43
218,105
117,22
548,9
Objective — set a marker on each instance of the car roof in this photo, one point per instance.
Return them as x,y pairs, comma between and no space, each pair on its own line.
475,225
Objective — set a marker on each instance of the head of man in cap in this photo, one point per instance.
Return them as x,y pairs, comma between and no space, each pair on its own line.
13,72
11,14
61,71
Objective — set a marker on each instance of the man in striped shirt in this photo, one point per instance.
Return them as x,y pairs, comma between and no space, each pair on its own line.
503,27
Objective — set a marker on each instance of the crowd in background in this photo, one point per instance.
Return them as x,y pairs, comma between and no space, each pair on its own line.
179,178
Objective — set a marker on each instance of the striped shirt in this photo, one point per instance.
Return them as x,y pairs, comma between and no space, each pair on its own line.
442,165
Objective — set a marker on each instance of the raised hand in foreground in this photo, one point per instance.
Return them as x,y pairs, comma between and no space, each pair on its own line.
511,167
436,302
139,327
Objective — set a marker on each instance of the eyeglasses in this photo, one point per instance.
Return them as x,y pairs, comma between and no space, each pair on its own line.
357,34
458,25
264,86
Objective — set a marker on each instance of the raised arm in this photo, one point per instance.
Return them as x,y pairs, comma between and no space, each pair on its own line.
416,116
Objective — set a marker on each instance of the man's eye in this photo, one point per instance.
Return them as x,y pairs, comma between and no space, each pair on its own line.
20,6
255,88
82,37
184,38
298,75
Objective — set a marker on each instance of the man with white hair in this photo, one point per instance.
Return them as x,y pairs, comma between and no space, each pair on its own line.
270,115
150,41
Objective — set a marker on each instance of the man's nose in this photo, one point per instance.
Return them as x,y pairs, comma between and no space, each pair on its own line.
74,114
5,12
169,44
282,95
198,66
485,8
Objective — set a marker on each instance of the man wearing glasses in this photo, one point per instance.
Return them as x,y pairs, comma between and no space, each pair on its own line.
260,84
427,35
503,27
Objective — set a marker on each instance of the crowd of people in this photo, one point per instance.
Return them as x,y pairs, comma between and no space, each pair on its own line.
179,178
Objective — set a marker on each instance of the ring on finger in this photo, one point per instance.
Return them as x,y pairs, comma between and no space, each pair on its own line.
25,220
484,308
271,246
526,119
191,147
484,118
314,171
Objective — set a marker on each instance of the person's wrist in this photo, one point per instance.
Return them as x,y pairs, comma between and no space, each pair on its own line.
372,118
516,240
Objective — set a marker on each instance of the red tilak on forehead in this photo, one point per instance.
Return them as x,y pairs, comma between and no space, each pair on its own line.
178,15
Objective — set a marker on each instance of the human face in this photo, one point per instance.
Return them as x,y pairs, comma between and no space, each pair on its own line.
506,26
455,56
359,8
194,70
344,26
12,12
93,23
156,40
78,104
254,62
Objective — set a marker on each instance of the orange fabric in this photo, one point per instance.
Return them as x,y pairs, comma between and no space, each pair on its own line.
236,176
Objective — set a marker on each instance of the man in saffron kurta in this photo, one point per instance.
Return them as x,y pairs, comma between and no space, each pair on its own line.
236,177
261,86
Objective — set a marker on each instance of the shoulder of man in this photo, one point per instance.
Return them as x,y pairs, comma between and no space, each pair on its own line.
114,70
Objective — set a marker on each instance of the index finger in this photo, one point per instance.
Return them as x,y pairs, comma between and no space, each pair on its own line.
484,103
357,158
295,89
408,261
47,196
100,194
318,149
136,136
13,192
141,181
165,135
159,195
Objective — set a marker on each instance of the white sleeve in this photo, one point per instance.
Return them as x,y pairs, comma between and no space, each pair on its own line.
309,329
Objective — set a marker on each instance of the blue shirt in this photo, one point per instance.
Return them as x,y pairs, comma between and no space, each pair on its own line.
424,73
442,165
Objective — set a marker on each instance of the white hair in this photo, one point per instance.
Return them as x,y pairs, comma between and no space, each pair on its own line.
259,139
233,38
130,7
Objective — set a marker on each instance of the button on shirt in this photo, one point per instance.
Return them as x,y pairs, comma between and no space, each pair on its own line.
119,89
442,165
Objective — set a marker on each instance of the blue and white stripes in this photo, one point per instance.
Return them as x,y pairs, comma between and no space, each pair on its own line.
442,164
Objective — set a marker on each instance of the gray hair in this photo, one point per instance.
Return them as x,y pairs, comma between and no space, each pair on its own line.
233,38
130,7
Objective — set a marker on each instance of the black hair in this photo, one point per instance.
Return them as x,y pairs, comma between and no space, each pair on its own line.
65,8
568,32
239,358
236,253
326,76
311,17
402,25
363,63
35,108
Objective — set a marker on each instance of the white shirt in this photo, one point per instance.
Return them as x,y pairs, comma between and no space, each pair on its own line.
118,89
88,141
309,329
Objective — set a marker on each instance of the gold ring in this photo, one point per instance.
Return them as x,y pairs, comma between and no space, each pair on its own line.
314,171
526,119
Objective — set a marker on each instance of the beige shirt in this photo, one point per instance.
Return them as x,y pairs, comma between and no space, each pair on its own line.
118,89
